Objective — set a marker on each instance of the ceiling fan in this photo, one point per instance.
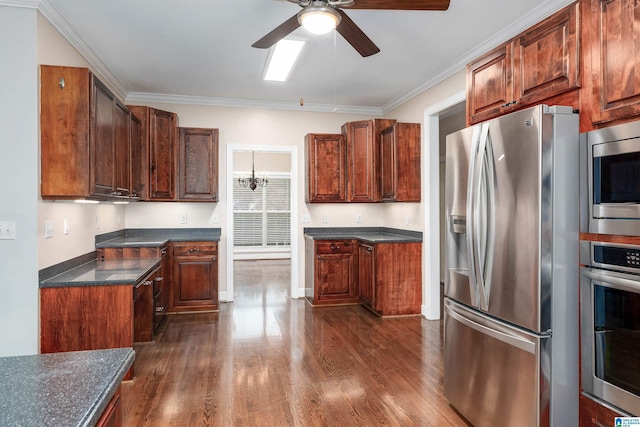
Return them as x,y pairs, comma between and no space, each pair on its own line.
331,11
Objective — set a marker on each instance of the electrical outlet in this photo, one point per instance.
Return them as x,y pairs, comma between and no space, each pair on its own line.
65,226
216,218
183,218
325,218
406,220
7,230
359,217
97,222
306,218
48,229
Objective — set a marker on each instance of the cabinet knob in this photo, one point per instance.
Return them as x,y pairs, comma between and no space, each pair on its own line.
370,249
214,258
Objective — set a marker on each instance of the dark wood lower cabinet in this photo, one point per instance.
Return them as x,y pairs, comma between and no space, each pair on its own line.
384,277
86,318
390,277
195,276
332,269
112,415
593,414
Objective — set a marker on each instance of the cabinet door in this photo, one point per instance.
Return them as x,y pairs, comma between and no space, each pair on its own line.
366,273
335,271
388,165
112,415
122,123
161,146
547,58
198,164
136,158
363,139
102,140
615,55
490,84
326,156
195,276
64,131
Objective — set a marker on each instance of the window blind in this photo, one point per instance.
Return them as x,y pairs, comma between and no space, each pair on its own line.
262,218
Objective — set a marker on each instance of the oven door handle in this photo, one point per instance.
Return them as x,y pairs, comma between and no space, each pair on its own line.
614,280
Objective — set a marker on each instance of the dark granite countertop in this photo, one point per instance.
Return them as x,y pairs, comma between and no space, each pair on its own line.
365,234
156,237
104,272
60,389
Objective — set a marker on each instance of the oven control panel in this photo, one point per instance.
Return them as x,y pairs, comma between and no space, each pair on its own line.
618,256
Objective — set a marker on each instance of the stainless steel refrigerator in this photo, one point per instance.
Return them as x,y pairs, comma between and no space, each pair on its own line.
511,280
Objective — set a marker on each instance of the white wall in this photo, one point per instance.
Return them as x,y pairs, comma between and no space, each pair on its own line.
85,221
19,180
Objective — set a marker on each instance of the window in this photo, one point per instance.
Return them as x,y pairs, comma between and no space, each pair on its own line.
262,218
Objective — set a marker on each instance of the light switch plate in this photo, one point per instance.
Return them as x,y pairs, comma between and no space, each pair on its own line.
48,229
7,230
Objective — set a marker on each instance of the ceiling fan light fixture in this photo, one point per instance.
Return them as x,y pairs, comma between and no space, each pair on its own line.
319,19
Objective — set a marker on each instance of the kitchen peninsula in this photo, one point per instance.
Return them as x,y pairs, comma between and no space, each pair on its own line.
63,389
378,267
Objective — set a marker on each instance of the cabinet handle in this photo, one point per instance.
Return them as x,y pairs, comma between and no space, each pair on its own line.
159,309
370,249
159,279
335,247
116,193
509,104
163,252
194,250
147,282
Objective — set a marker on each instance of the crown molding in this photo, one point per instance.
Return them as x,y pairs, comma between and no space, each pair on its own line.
538,14
49,11
141,97
30,4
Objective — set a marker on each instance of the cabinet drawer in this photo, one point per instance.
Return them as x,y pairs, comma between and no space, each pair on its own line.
195,249
334,247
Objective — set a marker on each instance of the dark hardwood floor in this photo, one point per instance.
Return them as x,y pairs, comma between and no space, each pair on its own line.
269,360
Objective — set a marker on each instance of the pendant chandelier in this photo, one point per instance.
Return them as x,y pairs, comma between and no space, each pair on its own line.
253,182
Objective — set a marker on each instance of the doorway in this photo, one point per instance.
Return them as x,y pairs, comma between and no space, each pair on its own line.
237,155
432,261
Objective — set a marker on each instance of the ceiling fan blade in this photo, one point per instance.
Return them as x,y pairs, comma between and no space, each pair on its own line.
401,4
354,35
278,33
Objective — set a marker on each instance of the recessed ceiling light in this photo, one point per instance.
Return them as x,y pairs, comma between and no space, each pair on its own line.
282,57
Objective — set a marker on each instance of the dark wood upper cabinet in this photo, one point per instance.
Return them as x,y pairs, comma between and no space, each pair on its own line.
326,160
158,135
136,158
122,155
400,163
536,65
612,34
84,137
363,183
198,164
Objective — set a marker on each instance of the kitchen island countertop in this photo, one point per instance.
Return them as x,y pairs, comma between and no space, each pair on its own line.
365,234
101,272
60,389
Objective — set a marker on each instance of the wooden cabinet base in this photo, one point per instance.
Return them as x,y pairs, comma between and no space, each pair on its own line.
112,415
593,414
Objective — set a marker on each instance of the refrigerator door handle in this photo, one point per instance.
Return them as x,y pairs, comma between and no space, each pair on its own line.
486,234
471,209
514,341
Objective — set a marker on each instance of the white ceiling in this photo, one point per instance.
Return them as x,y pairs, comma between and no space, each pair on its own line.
199,51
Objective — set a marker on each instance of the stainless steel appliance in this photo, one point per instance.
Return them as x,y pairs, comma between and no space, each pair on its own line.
612,159
511,285
610,323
